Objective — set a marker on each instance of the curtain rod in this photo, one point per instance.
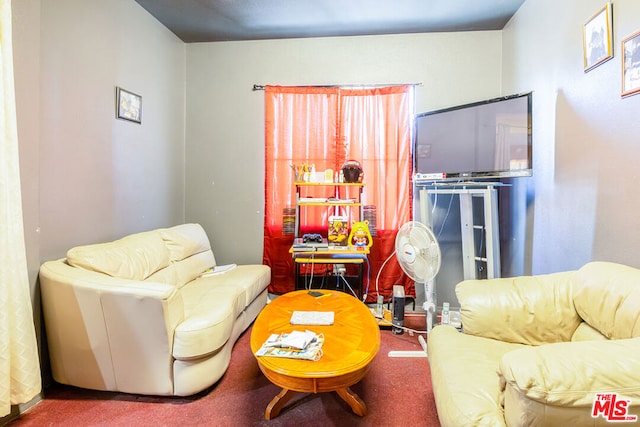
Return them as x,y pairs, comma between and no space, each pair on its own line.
261,87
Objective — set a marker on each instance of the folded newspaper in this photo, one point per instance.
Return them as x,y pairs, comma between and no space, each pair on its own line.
293,345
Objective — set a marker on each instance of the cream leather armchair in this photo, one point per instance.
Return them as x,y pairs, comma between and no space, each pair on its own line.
540,350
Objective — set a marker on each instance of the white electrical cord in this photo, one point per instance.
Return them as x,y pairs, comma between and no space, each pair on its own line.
366,292
348,285
381,268
446,216
309,285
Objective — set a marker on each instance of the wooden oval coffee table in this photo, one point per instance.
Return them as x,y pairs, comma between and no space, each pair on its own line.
350,345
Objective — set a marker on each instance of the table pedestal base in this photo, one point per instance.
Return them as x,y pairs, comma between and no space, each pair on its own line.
353,400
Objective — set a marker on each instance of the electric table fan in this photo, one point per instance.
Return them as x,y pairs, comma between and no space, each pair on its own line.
419,256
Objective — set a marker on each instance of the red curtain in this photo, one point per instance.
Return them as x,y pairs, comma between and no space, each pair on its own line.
325,127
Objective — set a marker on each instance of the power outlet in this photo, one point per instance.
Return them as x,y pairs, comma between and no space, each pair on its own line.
339,269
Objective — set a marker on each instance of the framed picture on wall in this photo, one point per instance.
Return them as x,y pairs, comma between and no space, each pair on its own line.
128,105
631,64
597,46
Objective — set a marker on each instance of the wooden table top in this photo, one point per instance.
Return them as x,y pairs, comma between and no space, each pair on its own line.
350,343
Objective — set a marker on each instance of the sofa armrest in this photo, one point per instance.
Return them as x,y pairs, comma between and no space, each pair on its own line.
103,331
529,310
539,381
141,332
58,272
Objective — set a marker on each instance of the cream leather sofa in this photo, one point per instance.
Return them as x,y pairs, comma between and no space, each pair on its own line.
536,350
133,315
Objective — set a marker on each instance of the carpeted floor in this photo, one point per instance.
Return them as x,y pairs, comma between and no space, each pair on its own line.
397,392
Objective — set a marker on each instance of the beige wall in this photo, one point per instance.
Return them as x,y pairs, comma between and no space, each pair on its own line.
225,119
586,136
87,176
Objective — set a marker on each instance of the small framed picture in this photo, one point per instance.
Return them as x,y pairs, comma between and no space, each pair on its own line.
597,46
128,105
631,64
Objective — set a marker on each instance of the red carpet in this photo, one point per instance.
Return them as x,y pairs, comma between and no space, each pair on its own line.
397,392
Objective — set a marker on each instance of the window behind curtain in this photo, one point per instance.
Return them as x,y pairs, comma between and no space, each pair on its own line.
325,127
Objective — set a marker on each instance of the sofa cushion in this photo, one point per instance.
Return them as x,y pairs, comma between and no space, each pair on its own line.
246,280
166,275
584,332
463,373
190,251
211,306
134,257
209,315
185,240
607,297
556,384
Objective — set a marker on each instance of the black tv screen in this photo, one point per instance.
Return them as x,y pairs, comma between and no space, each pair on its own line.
488,139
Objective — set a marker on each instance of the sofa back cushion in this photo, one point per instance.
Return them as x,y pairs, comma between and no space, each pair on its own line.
134,257
190,252
607,297
584,332
185,240
175,255
530,310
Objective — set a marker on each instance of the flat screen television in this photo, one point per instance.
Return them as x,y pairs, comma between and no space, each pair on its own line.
484,140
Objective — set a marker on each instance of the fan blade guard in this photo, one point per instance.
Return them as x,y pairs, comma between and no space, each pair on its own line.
418,252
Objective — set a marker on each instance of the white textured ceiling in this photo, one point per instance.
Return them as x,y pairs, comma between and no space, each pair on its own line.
225,20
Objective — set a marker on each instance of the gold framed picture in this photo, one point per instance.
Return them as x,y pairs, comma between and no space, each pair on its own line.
631,64
128,105
597,46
